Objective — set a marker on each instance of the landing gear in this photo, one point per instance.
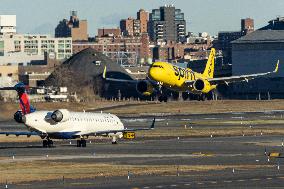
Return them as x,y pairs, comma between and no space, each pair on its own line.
47,143
81,143
114,140
202,97
163,98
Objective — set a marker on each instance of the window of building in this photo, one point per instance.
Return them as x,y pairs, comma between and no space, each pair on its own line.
9,74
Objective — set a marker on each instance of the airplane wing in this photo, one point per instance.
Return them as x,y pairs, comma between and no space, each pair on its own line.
227,80
118,80
20,133
106,132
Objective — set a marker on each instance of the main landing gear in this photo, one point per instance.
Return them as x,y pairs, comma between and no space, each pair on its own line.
163,98
202,97
81,143
47,143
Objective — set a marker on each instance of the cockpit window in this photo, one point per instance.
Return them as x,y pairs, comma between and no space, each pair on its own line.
157,66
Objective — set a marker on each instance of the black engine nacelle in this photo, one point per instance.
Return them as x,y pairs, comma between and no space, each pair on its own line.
18,116
60,115
202,86
145,87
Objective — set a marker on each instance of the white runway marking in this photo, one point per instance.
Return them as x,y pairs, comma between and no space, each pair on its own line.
255,179
228,181
210,118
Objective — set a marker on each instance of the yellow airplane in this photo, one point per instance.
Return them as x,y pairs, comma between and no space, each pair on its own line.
166,75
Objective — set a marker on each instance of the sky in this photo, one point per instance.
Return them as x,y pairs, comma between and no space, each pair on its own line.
42,16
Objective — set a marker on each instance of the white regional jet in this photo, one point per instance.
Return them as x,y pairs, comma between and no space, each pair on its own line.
64,124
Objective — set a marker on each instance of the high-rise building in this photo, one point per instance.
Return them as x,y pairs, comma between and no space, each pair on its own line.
75,28
167,24
135,27
143,16
7,24
130,26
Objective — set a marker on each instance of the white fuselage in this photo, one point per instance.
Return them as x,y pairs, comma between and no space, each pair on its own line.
78,123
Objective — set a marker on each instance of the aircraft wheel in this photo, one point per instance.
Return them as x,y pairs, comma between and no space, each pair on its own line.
49,143
203,97
83,143
44,143
165,99
79,144
114,140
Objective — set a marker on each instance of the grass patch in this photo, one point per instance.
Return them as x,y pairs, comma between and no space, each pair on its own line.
17,172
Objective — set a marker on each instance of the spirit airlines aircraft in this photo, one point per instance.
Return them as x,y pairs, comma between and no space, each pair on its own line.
165,75
64,124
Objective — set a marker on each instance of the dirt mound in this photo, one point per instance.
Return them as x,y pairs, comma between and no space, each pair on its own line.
82,73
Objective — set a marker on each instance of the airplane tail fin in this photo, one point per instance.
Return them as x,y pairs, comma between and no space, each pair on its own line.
25,105
209,69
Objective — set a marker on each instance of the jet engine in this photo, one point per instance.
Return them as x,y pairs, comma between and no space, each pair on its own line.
60,115
202,86
18,116
145,87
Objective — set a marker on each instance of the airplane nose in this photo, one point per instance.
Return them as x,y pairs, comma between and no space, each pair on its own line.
152,73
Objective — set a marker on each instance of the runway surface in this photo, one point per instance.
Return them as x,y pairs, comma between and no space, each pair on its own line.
220,162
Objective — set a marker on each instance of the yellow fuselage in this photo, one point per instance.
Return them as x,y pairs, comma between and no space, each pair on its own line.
174,77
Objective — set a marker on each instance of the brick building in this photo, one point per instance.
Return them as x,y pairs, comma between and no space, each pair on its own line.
75,28
115,32
138,45
135,27
143,16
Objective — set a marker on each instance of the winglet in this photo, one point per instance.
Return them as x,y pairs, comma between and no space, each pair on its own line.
276,68
104,73
153,124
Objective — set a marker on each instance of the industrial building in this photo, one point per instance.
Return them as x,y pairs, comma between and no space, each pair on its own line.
254,53
274,24
24,48
226,37
167,24
7,24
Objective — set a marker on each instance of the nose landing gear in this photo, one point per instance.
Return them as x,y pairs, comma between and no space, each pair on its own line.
114,140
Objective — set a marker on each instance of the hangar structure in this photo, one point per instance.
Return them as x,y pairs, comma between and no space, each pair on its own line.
254,53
